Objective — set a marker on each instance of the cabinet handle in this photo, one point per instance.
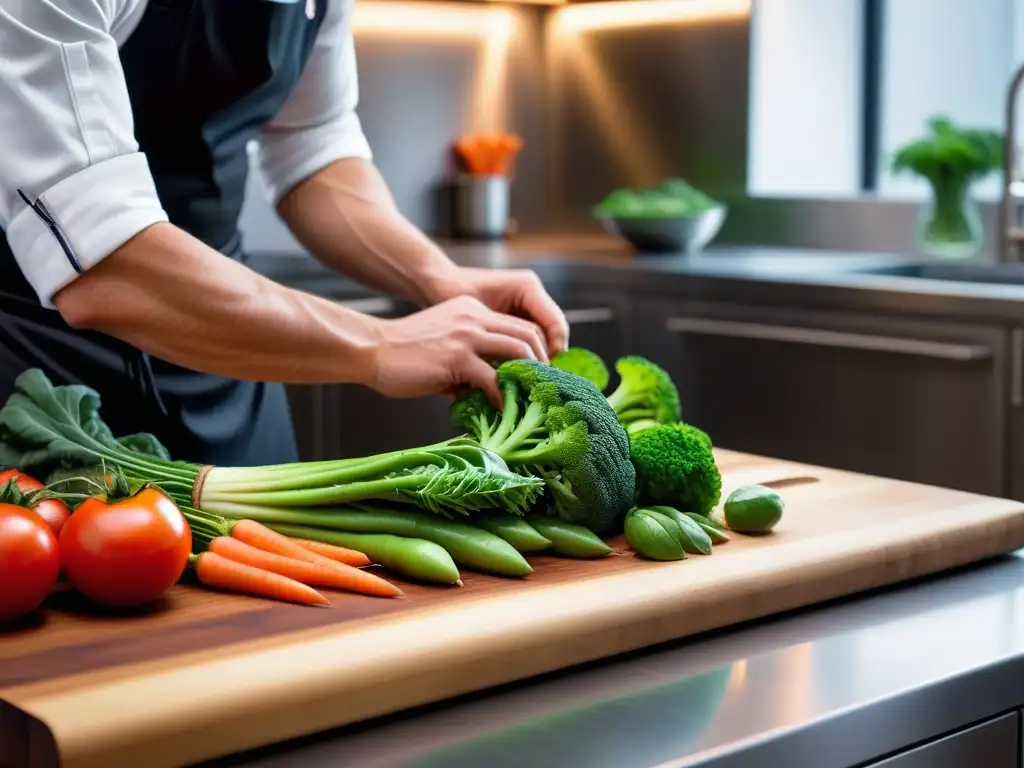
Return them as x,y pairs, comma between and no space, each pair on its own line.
589,316
372,306
866,342
1017,367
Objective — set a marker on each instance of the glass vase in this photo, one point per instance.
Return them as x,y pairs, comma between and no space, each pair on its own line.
949,225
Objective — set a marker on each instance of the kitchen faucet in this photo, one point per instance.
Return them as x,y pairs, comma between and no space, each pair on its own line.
1011,229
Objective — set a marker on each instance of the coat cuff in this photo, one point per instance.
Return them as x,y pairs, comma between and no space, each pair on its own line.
81,220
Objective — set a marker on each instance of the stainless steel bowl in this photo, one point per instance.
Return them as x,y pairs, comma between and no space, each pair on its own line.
677,235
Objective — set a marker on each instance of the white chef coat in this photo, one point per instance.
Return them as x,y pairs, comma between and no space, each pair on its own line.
67,136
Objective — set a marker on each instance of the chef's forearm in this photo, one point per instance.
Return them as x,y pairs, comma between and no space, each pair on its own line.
170,295
345,216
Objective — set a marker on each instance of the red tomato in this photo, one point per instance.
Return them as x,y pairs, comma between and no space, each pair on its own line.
127,552
53,511
29,561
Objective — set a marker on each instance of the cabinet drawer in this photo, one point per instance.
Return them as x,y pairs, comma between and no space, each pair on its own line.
993,744
884,396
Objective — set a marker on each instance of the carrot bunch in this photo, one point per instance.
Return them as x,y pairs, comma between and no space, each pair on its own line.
254,560
488,154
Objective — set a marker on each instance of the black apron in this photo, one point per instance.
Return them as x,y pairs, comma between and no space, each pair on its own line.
203,77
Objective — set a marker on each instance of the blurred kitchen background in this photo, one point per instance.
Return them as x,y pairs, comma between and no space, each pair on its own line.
815,328
789,110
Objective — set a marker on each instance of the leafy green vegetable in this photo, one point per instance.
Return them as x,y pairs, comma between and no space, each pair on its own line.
672,199
43,426
951,152
557,427
675,466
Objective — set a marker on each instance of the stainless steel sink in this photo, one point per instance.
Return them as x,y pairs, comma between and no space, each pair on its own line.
999,274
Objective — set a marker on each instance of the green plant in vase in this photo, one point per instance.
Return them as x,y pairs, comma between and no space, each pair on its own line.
951,159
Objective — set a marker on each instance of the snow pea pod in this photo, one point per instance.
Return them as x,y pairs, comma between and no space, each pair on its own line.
715,532
468,545
694,539
653,535
569,539
416,558
513,529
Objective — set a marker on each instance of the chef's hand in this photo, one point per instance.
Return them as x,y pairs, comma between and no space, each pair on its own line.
517,292
448,347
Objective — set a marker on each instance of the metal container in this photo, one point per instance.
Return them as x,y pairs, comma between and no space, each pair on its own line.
481,206
682,235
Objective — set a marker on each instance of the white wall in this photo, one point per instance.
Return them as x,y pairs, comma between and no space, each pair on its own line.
805,110
951,57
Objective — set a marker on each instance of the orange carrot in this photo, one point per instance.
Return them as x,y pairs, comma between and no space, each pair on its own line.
337,554
313,574
213,570
258,535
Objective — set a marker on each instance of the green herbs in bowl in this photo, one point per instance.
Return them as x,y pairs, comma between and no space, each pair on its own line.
671,217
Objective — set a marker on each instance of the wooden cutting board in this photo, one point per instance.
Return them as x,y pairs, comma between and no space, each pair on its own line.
205,674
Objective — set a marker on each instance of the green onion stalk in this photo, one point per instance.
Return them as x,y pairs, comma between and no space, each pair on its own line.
48,426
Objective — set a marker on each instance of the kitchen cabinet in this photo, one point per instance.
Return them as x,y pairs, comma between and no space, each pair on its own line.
598,320
993,744
916,400
1015,467
343,420
336,421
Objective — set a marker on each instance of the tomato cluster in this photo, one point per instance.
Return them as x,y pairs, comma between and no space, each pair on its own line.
119,553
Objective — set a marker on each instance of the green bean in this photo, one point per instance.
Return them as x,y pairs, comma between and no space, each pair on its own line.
468,545
652,536
569,539
513,529
416,558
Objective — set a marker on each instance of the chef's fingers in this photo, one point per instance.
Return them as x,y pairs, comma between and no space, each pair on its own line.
526,331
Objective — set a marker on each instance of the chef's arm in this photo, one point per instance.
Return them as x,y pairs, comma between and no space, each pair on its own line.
318,167
345,216
168,294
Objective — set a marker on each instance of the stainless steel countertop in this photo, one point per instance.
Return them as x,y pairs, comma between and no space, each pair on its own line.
755,274
830,686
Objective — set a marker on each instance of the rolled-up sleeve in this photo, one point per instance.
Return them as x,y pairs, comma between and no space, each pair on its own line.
319,124
73,185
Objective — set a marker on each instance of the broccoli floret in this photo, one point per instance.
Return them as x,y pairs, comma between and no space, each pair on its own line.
675,466
583,362
475,413
558,427
645,396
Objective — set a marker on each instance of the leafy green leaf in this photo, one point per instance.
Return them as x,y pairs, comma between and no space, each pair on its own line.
46,426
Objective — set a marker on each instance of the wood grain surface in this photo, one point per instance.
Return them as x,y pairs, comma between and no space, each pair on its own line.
206,674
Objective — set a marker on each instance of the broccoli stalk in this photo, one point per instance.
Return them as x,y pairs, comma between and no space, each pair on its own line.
645,396
557,427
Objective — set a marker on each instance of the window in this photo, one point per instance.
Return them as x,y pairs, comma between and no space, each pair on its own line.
838,86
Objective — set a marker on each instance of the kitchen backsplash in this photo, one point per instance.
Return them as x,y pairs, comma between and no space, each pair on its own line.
601,97
604,94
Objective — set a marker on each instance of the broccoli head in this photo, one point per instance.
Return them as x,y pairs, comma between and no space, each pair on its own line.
585,363
645,396
675,466
558,427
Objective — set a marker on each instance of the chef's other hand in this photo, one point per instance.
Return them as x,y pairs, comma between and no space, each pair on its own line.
516,292
449,346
